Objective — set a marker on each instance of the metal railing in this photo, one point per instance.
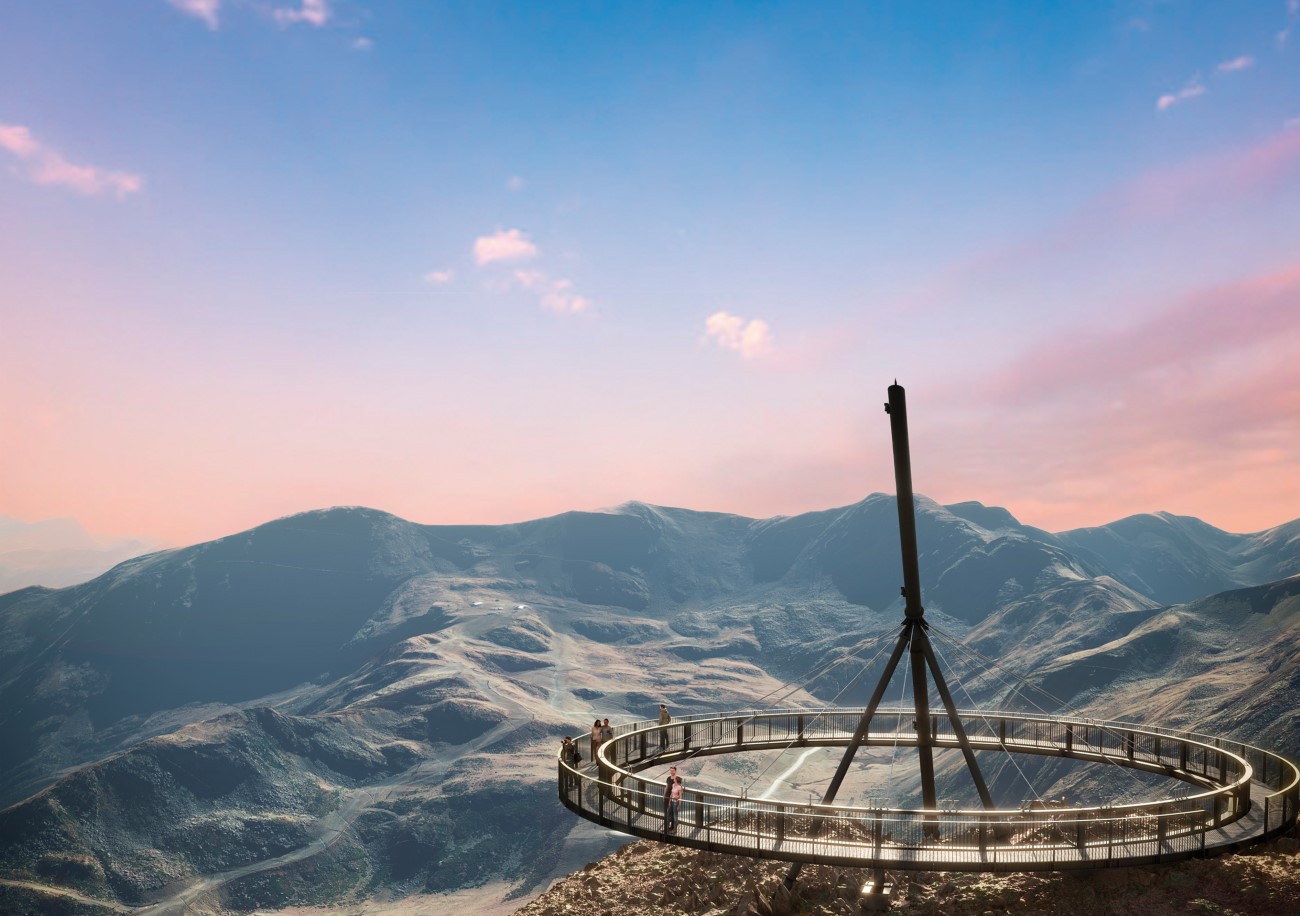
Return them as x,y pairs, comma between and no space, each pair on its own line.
1227,777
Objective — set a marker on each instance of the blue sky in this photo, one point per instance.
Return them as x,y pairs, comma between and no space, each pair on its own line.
482,262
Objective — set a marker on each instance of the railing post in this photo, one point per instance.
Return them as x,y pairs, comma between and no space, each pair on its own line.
1002,732
780,824
1069,740
802,740
641,791
740,732
699,809
686,736
644,752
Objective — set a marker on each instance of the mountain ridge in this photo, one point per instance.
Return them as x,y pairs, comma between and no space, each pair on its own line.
452,658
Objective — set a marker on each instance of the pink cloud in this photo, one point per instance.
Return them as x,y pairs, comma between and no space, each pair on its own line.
45,166
750,338
554,293
1194,409
205,10
312,12
1244,62
18,140
1196,331
440,277
503,245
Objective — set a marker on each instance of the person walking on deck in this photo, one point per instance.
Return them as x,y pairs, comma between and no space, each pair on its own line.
664,719
595,739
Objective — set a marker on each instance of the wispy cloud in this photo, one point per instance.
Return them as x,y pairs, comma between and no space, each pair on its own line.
1292,13
1214,327
503,245
1156,196
312,12
514,183
46,166
750,338
555,293
205,10
362,43
1244,62
440,277
510,246
1193,408
1190,91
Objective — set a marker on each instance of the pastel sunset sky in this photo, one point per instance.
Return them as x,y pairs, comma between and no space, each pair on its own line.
484,262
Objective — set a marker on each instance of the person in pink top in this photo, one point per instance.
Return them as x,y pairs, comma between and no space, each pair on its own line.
674,803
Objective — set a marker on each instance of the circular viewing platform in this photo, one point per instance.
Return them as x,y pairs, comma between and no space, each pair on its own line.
1236,795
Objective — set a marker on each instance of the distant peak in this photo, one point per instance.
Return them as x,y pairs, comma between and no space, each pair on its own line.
990,518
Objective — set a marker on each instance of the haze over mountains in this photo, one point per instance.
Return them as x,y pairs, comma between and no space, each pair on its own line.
55,553
344,704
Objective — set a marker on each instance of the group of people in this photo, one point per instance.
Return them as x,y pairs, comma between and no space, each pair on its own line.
602,731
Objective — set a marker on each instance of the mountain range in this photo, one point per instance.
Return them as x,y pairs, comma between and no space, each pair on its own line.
345,706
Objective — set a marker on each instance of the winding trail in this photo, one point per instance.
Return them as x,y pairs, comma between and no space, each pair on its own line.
68,894
329,829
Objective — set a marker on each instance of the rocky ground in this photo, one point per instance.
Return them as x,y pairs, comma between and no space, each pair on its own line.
645,877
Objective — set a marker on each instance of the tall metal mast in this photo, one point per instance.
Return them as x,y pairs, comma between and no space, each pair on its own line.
914,639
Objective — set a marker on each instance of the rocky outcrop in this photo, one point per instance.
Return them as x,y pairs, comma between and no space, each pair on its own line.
646,877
